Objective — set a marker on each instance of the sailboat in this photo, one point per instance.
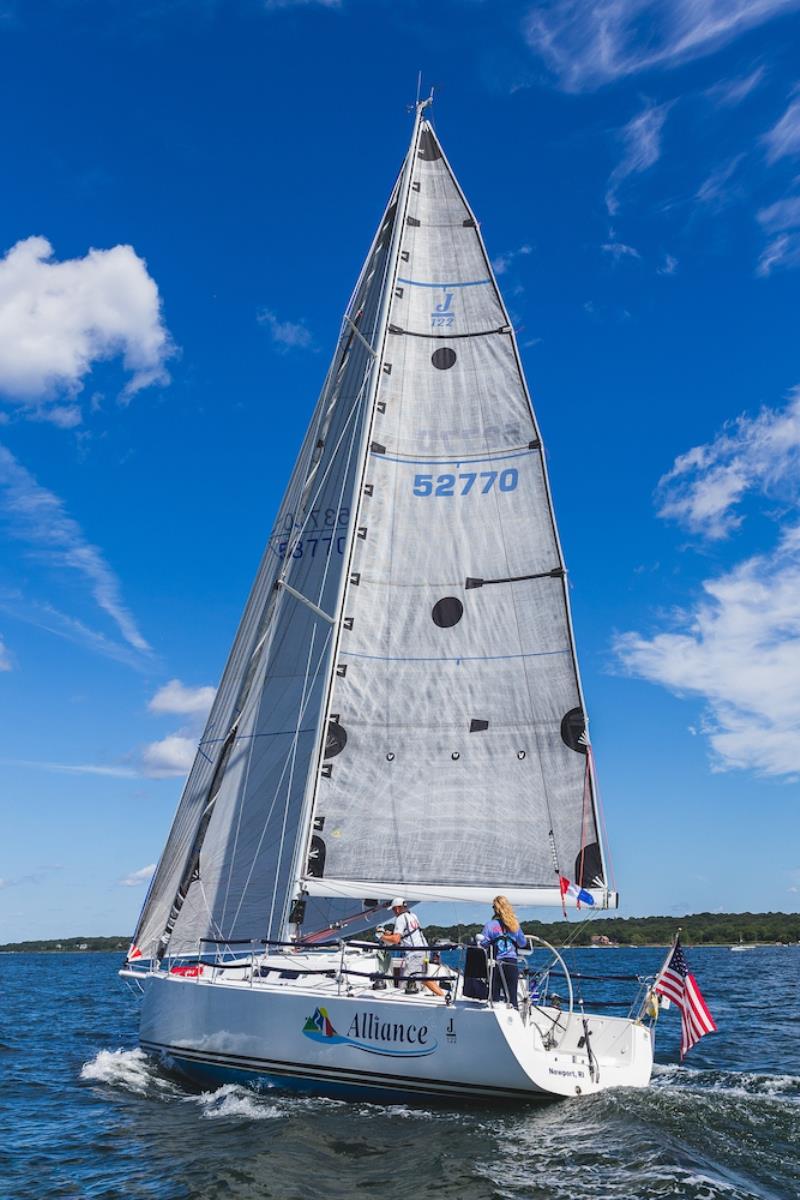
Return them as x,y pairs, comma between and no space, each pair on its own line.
401,715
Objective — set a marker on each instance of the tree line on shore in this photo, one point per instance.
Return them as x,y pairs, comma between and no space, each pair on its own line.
697,929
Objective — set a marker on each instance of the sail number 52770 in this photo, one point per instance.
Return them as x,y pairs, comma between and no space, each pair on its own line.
461,485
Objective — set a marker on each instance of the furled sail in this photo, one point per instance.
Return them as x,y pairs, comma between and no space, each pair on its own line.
456,762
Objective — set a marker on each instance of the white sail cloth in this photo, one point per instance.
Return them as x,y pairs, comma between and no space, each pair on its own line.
456,669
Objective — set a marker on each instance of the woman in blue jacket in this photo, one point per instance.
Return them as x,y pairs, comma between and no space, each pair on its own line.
504,939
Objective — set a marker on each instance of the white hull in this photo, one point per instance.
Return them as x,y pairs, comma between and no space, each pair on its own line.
382,1044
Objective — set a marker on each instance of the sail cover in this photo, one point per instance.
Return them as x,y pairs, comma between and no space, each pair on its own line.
457,760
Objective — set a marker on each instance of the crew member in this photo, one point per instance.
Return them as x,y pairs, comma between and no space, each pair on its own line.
408,932
503,938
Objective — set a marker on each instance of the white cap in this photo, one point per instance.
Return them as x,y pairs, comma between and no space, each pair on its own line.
398,902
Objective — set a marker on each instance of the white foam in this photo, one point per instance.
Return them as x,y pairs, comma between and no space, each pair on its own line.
130,1069
231,1100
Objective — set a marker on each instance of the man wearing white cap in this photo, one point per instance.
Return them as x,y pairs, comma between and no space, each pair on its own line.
408,932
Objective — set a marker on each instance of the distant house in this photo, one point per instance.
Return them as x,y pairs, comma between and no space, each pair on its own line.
600,939
83,945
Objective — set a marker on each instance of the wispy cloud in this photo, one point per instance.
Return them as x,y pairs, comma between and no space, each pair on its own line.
783,214
5,657
783,249
669,265
705,487
43,615
37,517
288,335
618,250
715,190
730,92
784,137
111,771
782,252
501,264
57,319
587,43
137,878
641,138
738,649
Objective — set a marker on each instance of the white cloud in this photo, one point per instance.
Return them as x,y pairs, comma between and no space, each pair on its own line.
737,646
783,214
5,657
642,141
36,516
669,265
112,772
714,190
619,250
176,697
784,137
58,318
739,650
705,486
137,878
173,755
782,251
730,92
587,43
290,335
501,264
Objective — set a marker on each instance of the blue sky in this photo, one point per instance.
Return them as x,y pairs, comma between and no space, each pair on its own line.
189,190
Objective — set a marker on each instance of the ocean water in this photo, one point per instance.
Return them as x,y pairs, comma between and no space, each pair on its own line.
84,1114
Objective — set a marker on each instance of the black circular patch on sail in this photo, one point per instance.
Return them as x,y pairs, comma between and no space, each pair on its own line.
336,739
588,866
447,612
573,728
443,358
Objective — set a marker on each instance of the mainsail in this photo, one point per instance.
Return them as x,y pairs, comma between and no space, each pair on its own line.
401,710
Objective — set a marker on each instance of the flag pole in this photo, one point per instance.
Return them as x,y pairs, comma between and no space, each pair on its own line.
651,991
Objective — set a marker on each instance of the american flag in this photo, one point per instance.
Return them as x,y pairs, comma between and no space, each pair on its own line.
677,984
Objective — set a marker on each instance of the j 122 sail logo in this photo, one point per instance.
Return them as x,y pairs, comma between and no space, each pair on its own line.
443,316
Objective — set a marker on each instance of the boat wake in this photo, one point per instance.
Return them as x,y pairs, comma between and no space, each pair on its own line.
130,1070
785,1088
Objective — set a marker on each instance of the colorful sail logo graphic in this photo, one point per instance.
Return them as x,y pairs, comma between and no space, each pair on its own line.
367,1032
319,1026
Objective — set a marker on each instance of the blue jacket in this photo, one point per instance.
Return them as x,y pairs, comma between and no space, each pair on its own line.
506,944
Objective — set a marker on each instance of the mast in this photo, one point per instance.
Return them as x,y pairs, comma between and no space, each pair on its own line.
378,346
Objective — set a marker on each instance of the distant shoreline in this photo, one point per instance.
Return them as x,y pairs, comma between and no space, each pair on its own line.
697,929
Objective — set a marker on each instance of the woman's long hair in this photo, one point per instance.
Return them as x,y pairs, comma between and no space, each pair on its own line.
505,913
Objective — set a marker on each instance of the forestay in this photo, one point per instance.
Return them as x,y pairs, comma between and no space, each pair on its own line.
456,761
